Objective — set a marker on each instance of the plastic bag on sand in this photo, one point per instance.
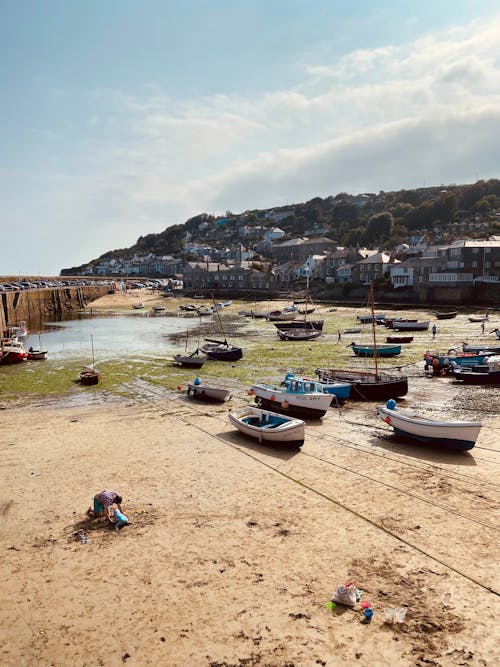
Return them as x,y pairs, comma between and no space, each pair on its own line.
396,615
345,595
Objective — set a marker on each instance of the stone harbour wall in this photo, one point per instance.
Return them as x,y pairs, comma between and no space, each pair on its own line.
37,305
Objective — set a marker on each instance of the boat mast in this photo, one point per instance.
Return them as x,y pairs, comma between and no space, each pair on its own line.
375,355
92,345
218,318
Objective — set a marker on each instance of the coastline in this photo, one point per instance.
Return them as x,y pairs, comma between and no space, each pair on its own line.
235,548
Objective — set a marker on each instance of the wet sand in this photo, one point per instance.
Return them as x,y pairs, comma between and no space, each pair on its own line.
235,548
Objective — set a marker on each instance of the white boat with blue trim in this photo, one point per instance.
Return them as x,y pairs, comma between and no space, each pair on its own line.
457,435
269,427
295,396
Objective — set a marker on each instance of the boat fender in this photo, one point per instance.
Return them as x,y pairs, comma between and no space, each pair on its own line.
272,397
189,391
387,420
435,362
391,404
285,405
250,392
197,381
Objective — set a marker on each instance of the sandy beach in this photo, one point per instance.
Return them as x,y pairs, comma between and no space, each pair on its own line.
234,548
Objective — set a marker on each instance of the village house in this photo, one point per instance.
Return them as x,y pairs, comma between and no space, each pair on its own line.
210,275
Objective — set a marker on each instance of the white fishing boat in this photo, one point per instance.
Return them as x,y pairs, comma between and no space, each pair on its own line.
207,392
295,396
269,427
457,435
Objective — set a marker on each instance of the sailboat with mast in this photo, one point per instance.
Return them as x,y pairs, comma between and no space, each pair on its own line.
90,375
303,331
221,350
368,385
194,360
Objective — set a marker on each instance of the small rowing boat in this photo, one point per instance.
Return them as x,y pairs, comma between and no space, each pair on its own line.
269,427
457,435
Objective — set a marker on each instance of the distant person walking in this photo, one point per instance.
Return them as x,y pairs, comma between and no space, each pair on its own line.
482,327
434,330
339,336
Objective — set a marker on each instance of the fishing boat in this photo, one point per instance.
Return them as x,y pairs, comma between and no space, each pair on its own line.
457,435
18,330
368,319
476,349
227,303
389,323
295,396
496,332
210,393
269,427
281,315
158,309
399,339
381,350
299,334
304,332
138,305
402,325
352,330
90,375
12,351
440,361
446,315
485,373
37,355
194,360
478,318
340,390
317,325
368,385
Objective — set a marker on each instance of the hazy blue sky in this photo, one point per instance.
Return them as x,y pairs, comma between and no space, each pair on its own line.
119,118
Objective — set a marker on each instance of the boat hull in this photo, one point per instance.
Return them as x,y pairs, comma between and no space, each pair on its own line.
89,378
366,386
399,339
207,393
298,334
458,436
269,427
310,324
382,350
472,376
220,351
309,406
410,326
190,361
446,316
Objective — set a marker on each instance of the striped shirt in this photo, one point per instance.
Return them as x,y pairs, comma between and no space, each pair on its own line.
107,498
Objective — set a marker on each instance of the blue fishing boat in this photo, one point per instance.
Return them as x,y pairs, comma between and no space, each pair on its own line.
444,362
384,350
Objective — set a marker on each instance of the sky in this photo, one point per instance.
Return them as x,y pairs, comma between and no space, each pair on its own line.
119,118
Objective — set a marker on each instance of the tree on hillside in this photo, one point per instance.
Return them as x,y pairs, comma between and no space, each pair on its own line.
379,228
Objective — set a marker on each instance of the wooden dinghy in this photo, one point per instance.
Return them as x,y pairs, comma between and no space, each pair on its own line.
269,427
